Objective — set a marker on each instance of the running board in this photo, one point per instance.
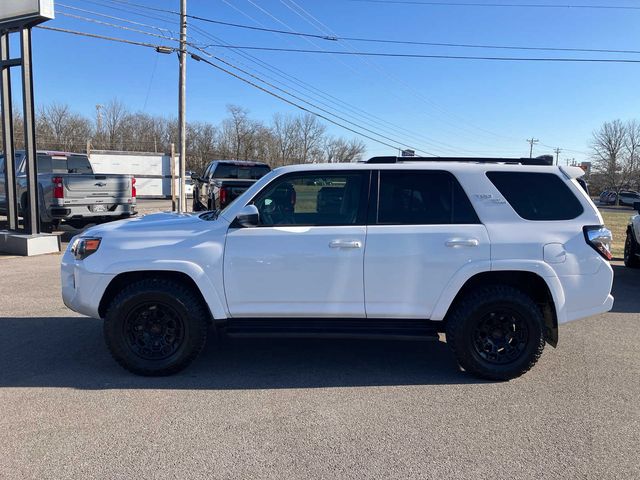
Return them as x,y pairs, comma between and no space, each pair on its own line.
331,328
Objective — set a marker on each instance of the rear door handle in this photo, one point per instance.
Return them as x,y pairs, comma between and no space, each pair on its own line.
462,242
345,244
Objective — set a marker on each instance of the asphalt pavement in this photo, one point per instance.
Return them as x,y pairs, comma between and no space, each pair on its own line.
309,409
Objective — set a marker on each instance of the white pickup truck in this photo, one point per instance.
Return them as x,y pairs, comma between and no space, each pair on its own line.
492,253
69,191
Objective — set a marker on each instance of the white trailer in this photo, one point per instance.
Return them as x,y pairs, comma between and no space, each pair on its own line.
151,170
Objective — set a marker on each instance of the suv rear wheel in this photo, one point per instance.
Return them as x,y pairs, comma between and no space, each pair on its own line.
155,327
496,332
631,251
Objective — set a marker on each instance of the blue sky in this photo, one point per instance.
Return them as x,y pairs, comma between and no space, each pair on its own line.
441,106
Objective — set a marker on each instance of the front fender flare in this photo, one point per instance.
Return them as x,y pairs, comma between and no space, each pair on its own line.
210,293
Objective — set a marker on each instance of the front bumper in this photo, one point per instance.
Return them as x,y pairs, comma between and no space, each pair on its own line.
82,290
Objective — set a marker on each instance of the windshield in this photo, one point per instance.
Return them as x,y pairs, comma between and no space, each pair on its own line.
248,172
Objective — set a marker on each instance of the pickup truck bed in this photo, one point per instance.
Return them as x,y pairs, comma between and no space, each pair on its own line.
69,191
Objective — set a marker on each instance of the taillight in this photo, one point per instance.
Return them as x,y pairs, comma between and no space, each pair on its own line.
134,191
599,238
223,196
58,187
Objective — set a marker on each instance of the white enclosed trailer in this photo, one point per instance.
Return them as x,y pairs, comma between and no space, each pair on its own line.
151,170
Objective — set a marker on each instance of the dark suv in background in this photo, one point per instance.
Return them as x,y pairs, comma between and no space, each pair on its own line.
223,181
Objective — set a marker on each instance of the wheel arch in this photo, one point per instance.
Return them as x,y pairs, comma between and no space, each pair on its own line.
125,278
543,290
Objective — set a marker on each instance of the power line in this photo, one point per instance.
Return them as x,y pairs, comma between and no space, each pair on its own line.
409,42
198,58
311,104
498,5
308,87
395,147
419,55
103,37
397,42
359,53
253,76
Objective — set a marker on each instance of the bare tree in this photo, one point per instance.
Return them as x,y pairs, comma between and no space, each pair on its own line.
115,117
337,150
310,135
608,145
61,129
284,137
286,140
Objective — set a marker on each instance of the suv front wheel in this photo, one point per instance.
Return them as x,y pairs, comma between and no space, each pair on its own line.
155,326
496,332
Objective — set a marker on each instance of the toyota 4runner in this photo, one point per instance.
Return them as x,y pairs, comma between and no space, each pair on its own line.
494,253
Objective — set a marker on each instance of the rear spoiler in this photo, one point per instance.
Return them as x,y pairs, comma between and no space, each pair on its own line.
572,172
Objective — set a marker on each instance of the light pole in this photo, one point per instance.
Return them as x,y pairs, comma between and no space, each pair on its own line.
182,104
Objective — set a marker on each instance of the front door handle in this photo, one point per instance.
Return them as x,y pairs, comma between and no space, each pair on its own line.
345,244
462,242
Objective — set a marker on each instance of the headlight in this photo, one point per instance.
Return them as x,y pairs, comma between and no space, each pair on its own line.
84,246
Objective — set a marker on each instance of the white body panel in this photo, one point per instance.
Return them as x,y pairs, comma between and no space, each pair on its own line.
407,267
399,272
294,272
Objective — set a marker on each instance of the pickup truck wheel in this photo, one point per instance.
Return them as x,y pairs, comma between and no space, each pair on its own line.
155,327
496,332
631,251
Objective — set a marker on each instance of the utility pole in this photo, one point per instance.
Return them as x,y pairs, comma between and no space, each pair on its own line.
557,152
182,104
532,141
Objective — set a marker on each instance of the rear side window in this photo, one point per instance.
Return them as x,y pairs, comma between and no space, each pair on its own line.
419,197
247,172
537,196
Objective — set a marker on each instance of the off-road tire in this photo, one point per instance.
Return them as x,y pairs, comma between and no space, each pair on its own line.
463,321
631,251
186,304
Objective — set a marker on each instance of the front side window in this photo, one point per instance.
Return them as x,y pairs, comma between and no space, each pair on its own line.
422,197
537,196
314,199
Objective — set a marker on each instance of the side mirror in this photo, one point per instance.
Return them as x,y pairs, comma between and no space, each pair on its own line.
247,217
195,176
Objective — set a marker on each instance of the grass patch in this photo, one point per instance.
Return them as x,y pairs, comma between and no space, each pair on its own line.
617,222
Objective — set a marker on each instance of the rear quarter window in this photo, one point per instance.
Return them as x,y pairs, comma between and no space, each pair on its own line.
537,196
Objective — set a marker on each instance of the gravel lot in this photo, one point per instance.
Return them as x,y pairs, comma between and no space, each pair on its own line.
309,409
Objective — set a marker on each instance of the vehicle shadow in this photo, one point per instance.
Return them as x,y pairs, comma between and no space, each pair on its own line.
70,352
626,289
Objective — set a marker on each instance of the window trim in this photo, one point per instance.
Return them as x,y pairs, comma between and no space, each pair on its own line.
373,218
363,206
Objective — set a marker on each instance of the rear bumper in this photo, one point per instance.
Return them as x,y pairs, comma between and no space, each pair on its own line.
84,211
588,312
587,295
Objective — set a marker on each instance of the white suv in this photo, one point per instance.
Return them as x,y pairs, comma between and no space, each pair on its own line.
495,253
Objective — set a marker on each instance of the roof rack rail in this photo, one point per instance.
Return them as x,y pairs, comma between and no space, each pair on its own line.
541,160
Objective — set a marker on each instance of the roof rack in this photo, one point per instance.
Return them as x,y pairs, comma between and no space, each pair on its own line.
541,160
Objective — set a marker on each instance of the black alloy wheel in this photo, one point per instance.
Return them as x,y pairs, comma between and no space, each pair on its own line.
154,331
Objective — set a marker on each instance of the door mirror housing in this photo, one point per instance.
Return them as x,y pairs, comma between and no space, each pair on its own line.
195,176
247,217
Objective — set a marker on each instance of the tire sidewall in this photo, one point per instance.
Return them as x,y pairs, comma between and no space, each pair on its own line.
114,330
534,334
